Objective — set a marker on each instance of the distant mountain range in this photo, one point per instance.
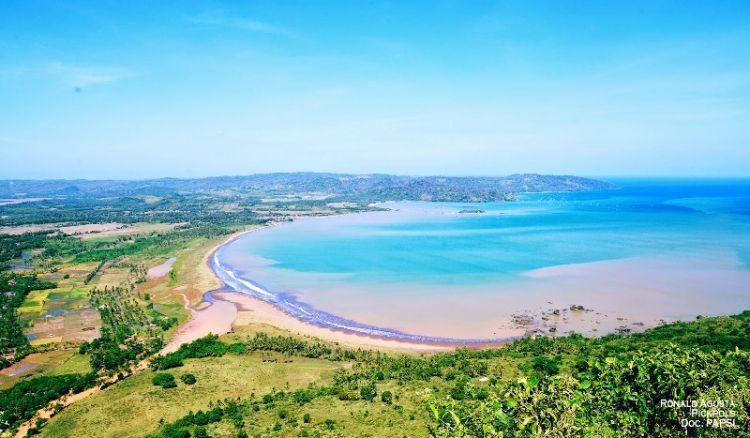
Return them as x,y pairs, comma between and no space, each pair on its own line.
375,187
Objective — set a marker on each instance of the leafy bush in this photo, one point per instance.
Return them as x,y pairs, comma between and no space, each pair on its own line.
175,432
368,392
166,362
165,380
188,379
386,397
208,346
543,366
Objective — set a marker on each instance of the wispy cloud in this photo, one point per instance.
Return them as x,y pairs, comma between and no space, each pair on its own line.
78,76
224,19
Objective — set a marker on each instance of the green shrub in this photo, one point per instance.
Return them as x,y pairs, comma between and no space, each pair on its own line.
330,424
175,432
188,379
544,365
209,346
165,380
368,392
166,362
386,397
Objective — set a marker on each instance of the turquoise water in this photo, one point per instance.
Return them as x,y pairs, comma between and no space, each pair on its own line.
424,248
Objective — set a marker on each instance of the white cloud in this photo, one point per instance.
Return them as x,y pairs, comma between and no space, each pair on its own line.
221,18
77,76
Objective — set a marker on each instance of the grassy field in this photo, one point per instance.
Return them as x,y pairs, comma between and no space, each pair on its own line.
49,363
135,406
119,230
329,416
75,363
34,301
70,293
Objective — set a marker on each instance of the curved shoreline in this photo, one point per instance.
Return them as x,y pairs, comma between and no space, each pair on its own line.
304,313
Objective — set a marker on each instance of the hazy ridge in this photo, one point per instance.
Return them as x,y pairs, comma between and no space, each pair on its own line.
374,187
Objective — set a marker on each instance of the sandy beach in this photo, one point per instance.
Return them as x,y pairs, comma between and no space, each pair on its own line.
205,317
254,311
226,310
218,318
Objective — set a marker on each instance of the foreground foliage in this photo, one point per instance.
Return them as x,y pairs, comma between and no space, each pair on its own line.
608,396
638,385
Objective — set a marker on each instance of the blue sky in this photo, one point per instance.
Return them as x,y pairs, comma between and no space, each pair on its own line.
148,89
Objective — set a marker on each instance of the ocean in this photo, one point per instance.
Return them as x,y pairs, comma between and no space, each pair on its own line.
648,252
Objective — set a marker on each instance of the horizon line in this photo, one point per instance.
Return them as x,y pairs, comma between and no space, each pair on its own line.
621,176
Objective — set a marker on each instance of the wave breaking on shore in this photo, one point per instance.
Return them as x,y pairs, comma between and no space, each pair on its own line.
289,304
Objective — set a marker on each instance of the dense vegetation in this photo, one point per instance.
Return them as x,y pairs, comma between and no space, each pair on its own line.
13,290
54,247
129,332
85,209
145,244
22,401
569,386
13,246
603,396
